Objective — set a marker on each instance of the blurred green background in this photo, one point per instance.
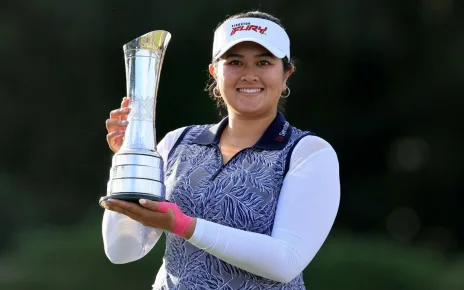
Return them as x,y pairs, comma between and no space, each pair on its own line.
382,81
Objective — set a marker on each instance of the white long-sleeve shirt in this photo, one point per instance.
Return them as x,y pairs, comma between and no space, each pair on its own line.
306,210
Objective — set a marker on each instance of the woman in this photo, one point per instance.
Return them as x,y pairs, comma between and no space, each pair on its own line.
252,199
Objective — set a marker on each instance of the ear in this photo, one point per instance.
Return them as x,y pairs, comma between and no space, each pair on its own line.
287,75
212,70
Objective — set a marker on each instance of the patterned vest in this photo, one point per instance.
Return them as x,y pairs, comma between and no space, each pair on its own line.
242,194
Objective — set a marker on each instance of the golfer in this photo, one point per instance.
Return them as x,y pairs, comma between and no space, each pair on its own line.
252,198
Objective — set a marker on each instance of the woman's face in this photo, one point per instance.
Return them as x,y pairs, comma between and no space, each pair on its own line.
250,79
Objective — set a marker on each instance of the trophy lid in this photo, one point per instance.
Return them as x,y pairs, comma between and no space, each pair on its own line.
156,41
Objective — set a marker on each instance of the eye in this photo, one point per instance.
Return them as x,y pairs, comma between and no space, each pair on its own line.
234,62
263,63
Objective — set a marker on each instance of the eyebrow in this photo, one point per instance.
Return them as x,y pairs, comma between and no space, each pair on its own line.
241,56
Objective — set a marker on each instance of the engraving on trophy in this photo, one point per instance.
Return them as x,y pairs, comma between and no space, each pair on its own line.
142,109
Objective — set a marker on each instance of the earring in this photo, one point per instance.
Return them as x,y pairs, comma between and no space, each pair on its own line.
287,91
216,92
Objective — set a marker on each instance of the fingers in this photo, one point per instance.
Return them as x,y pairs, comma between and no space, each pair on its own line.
125,102
123,207
153,205
138,213
119,114
118,117
115,140
122,112
128,206
116,125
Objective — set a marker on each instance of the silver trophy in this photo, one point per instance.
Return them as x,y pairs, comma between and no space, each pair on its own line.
137,168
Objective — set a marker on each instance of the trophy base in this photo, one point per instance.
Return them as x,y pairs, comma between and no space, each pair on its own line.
131,197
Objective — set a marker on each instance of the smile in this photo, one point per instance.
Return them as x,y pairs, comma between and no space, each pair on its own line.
250,91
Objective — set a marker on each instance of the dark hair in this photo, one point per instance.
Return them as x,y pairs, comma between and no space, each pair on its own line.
287,63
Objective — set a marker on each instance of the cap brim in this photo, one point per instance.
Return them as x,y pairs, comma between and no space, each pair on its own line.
272,49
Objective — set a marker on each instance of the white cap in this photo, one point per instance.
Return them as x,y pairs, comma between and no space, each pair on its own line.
262,31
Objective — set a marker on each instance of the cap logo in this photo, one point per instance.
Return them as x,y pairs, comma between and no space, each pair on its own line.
247,27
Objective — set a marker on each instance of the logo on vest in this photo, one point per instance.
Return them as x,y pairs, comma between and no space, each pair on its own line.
282,133
247,27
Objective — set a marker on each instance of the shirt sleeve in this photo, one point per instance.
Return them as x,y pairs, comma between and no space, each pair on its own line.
306,210
126,240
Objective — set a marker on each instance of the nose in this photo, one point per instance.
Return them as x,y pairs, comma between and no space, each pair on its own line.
249,76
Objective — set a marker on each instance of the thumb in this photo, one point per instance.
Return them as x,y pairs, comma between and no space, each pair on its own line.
150,204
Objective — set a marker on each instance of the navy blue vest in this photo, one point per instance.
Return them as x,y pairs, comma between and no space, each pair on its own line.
242,194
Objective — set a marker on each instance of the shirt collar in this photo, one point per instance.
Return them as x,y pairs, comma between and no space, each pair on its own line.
275,137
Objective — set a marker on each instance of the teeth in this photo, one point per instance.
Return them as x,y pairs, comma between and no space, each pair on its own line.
250,91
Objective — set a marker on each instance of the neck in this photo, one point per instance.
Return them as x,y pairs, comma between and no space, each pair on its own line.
244,131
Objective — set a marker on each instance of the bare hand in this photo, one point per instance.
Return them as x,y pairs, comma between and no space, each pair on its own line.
116,125
150,214
146,214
